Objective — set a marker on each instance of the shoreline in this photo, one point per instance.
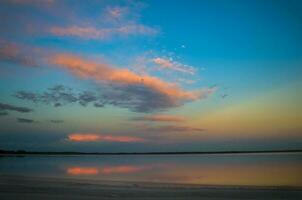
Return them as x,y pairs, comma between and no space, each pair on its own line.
146,184
15,187
25,153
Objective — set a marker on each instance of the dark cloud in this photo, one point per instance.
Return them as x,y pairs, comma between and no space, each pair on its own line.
223,96
56,121
159,118
87,97
98,104
8,107
24,120
137,98
56,96
3,113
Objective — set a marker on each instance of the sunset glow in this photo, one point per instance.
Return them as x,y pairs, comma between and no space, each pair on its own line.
151,99
128,76
90,137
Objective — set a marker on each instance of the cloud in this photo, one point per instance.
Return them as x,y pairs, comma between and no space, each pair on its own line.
92,137
223,96
90,32
56,121
8,107
115,13
160,118
87,97
143,89
174,129
116,22
10,52
58,95
30,2
24,120
163,62
172,65
3,113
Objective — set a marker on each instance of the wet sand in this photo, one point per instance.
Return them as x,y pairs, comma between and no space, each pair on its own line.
21,187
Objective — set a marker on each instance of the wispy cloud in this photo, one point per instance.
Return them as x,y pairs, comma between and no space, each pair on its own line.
174,129
169,64
30,2
10,52
24,120
115,13
56,121
90,32
160,118
8,107
3,113
92,137
116,21
141,87
58,95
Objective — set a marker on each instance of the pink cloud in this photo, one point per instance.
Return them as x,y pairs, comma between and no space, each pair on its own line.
104,72
8,51
163,62
16,53
91,137
90,32
115,21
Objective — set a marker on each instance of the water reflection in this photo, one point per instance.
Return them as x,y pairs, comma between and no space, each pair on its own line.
82,171
261,170
123,169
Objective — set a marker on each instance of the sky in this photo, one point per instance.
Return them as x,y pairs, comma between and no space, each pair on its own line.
138,76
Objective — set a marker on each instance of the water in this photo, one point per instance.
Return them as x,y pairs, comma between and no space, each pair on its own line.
284,169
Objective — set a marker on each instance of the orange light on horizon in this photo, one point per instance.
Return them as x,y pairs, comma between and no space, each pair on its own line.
83,137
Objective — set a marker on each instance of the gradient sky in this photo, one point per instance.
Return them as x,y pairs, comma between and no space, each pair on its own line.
115,76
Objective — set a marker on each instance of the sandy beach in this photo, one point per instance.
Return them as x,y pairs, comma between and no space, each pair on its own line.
22,187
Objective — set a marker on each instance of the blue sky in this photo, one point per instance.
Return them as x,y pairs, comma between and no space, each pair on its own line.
150,75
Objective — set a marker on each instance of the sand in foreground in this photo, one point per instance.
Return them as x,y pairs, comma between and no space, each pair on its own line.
19,187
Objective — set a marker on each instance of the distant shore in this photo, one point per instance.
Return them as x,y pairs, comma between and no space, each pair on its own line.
22,187
22,152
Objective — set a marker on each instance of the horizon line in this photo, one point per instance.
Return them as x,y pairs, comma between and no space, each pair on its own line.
23,152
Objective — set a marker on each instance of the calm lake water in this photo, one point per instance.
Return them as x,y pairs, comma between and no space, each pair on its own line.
284,169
